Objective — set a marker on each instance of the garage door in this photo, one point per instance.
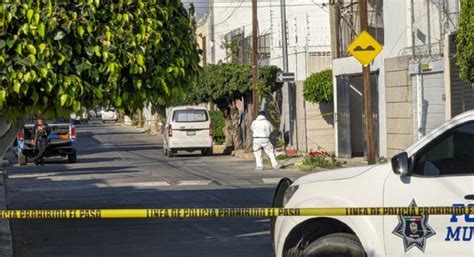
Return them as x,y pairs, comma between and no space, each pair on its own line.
433,114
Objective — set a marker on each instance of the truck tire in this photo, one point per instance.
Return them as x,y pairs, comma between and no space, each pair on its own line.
170,153
22,159
72,157
338,244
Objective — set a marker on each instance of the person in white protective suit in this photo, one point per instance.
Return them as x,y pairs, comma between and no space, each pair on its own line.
262,128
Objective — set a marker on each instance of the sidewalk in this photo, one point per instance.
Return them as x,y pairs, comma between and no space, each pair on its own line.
6,247
291,162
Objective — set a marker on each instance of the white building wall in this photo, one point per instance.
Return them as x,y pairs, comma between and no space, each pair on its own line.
309,49
398,42
396,39
308,25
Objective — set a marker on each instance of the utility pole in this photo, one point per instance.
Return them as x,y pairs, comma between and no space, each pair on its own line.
254,59
306,57
204,49
413,32
369,118
334,18
211,32
428,19
286,88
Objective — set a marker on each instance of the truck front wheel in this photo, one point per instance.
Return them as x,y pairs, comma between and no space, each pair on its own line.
338,244
22,159
72,157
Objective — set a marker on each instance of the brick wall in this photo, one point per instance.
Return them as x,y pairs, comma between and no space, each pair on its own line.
399,105
319,124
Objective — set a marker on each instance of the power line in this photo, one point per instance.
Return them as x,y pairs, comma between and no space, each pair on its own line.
230,15
260,6
270,19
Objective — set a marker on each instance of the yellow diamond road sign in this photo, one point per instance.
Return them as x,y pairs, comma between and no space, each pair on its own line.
365,48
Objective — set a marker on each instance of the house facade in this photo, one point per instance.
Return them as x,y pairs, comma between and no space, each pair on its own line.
309,51
415,85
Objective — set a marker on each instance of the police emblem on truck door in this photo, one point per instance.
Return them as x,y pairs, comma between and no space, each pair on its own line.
414,230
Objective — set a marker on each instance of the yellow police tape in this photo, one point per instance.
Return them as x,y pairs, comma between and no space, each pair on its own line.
230,212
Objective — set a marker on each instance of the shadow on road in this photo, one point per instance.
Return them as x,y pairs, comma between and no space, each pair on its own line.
142,237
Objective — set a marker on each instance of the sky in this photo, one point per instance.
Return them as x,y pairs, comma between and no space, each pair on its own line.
201,7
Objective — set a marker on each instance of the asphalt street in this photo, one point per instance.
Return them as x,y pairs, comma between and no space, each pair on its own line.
121,167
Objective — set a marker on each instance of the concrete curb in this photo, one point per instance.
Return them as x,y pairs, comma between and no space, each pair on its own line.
6,245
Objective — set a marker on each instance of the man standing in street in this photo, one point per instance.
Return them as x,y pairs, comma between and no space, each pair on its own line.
261,129
40,141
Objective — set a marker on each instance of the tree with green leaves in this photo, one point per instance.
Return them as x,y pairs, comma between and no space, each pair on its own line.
465,41
57,56
60,56
224,84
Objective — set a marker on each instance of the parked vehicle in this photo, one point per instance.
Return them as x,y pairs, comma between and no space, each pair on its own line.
109,115
438,170
75,119
92,114
61,142
188,128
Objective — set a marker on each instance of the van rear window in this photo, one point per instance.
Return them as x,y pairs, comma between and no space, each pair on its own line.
190,116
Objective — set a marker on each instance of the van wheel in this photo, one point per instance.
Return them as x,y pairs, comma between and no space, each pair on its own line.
22,159
169,153
72,158
207,151
338,244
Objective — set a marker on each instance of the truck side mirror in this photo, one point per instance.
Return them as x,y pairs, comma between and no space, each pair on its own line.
401,164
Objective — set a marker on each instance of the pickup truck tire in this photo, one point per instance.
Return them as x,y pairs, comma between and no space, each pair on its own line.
338,244
169,153
72,158
22,159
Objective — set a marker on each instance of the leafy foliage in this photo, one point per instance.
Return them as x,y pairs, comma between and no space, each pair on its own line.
224,83
58,56
218,123
320,160
465,41
318,87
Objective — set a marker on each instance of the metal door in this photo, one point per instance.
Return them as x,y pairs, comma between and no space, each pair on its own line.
343,117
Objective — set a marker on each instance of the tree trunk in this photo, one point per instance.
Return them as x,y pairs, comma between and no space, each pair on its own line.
236,132
140,122
228,130
248,124
154,127
161,118
8,134
233,135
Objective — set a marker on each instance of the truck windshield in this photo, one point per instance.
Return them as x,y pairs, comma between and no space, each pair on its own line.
190,116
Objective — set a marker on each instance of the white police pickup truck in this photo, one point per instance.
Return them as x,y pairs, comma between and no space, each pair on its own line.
436,171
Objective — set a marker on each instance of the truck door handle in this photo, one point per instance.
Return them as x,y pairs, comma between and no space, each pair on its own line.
469,197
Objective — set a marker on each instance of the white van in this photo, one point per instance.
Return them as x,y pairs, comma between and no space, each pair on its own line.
188,128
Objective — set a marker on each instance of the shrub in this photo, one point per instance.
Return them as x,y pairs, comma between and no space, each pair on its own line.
318,87
218,123
320,160
465,41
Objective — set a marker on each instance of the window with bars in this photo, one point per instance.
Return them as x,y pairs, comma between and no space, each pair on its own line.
264,48
264,44
349,22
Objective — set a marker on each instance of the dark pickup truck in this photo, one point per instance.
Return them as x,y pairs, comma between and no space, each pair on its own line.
61,142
